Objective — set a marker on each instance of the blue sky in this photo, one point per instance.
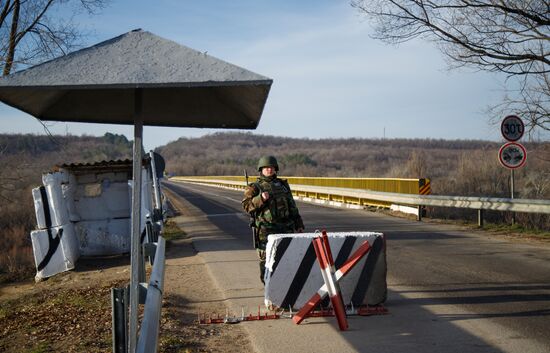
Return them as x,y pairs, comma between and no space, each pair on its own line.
330,78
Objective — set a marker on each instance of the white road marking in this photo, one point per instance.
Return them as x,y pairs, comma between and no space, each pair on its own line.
218,195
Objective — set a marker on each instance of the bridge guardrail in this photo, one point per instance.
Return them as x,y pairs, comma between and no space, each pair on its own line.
340,194
148,337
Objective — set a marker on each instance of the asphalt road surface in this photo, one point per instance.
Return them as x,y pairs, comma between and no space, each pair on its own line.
450,290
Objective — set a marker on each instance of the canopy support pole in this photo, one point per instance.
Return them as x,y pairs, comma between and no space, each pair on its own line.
136,220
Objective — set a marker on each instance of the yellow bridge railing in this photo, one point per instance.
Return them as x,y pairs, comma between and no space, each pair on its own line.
394,185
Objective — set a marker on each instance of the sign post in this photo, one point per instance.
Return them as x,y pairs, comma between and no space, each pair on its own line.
512,155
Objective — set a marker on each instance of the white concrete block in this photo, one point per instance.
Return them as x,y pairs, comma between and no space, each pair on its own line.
405,209
55,250
293,274
41,207
59,212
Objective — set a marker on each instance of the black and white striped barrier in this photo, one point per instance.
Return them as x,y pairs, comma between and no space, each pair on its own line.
55,246
49,203
293,277
55,250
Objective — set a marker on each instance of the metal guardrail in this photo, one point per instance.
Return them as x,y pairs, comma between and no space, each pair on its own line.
340,194
148,337
150,294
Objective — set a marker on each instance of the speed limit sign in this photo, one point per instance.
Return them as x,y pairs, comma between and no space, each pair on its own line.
512,155
512,128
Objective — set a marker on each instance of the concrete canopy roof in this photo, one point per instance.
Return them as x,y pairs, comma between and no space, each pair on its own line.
180,86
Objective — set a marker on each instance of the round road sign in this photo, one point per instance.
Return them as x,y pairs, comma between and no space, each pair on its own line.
512,155
512,128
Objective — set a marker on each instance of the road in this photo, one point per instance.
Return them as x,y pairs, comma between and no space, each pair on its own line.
450,290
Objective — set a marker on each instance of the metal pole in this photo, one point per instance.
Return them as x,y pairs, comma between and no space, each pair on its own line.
480,218
136,220
119,315
155,180
512,184
156,187
512,194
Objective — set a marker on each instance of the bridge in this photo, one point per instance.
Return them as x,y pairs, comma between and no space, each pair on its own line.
451,289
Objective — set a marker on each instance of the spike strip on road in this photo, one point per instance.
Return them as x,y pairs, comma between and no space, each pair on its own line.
323,291
205,319
361,311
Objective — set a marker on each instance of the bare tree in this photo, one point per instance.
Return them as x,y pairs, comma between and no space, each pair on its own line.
416,166
508,36
32,31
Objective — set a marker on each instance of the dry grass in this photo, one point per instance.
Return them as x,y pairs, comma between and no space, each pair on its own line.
17,263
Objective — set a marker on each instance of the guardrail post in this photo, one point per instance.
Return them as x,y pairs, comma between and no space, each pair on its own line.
149,250
141,265
419,216
142,292
480,218
119,314
151,238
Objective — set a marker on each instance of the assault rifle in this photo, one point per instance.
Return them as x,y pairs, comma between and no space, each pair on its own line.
252,224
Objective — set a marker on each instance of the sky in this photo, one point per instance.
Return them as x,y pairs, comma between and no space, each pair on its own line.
330,78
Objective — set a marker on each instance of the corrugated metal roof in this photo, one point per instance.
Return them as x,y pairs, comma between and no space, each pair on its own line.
119,165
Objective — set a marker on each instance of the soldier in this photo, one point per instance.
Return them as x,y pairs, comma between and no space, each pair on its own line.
270,200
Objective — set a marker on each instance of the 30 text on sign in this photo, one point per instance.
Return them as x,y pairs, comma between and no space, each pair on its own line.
512,128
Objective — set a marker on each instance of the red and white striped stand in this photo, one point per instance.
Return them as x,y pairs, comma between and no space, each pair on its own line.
320,245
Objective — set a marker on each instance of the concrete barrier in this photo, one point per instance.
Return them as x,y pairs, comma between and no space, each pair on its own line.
55,250
293,276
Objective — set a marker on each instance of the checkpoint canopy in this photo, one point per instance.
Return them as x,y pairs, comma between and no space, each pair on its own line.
180,86
139,79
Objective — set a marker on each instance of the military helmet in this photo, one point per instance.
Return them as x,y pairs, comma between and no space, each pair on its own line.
268,161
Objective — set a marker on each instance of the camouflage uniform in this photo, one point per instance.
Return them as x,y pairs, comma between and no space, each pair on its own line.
277,214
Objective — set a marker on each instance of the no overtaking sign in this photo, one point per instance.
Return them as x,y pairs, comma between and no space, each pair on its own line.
512,155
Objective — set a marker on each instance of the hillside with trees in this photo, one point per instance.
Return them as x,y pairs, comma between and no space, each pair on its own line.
455,167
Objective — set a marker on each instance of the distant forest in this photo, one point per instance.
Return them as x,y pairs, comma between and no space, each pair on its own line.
455,167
